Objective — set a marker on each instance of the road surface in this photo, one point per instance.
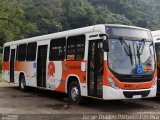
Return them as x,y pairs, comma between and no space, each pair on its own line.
42,104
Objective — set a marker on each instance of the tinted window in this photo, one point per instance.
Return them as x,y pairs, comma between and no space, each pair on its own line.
6,54
22,52
17,53
129,32
157,47
31,51
76,47
57,49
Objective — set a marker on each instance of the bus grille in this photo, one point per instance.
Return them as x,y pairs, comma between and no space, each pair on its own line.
143,79
131,94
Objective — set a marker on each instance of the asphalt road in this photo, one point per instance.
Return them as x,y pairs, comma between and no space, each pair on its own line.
42,104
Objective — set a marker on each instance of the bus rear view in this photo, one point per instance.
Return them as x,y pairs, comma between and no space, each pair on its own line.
130,67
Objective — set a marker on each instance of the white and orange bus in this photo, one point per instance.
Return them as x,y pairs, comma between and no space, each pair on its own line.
102,61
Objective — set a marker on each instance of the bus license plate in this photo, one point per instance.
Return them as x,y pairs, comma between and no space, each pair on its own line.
137,96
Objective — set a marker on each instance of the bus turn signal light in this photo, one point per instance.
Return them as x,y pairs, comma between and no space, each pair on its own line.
112,83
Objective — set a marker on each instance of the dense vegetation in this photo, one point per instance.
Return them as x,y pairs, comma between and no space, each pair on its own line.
27,18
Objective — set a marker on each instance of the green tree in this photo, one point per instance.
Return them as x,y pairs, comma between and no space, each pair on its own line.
47,15
28,18
79,13
12,23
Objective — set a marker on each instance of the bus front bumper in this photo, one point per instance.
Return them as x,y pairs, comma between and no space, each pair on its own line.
110,93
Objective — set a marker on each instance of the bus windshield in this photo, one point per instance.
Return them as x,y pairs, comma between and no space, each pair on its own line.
122,63
131,56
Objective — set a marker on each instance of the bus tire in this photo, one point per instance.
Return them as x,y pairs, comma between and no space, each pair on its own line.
22,83
74,93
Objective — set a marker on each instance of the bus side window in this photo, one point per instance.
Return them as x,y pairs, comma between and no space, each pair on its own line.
17,53
76,47
6,54
22,52
57,49
157,47
31,51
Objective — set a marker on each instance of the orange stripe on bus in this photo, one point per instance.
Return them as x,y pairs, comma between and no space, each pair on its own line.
5,66
71,68
27,67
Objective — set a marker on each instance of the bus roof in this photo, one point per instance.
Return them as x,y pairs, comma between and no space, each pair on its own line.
156,36
95,28
126,26
156,33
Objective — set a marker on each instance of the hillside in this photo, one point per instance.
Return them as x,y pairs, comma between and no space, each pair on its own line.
38,17
56,15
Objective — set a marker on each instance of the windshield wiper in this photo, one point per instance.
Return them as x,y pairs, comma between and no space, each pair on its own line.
127,48
140,49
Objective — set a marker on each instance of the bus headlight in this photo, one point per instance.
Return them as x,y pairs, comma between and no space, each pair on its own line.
112,83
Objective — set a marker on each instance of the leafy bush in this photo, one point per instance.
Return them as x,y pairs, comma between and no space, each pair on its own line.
0,63
1,49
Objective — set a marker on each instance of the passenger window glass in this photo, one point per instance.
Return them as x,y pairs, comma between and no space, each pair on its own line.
17,53
6,54
76,47
22,52
31,51
57,49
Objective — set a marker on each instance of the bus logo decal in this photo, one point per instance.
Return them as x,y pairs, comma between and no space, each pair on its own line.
51,69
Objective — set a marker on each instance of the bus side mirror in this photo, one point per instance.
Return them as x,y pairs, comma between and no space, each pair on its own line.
106,45
105,42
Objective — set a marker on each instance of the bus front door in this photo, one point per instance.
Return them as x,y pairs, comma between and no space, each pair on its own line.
41,65
95,68
12,57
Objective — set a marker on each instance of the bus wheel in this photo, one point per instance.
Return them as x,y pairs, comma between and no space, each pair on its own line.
22,83
74,93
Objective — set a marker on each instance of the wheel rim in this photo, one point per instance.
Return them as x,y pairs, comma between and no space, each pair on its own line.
75,94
